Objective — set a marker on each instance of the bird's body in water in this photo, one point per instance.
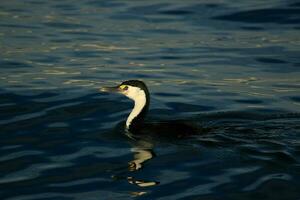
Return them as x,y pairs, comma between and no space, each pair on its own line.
136,124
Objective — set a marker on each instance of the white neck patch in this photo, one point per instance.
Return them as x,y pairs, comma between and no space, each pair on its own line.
139,98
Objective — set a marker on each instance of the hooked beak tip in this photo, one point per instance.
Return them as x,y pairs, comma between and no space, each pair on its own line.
103,89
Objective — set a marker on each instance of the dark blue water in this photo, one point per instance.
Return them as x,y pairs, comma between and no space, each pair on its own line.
232,66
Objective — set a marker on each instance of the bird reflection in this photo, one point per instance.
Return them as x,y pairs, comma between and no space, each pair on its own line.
140,157
142,150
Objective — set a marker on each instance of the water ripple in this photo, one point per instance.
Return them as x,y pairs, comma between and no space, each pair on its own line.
230,67
266,178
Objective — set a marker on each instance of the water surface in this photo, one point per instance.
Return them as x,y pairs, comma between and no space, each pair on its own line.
229,65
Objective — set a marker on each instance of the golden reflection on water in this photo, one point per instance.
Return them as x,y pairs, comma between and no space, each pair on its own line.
142,152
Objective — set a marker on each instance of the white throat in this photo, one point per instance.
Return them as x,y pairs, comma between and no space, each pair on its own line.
139,98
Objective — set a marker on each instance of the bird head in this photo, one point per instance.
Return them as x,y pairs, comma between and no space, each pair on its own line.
133,89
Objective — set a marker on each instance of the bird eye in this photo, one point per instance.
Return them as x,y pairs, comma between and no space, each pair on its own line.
124,87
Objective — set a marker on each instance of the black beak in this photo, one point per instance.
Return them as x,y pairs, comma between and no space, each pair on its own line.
110,89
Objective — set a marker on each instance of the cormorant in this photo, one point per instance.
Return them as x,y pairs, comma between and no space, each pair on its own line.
136,124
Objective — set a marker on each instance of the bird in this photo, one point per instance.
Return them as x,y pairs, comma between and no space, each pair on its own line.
136,123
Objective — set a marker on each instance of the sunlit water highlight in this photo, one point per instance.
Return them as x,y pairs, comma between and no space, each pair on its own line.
229,65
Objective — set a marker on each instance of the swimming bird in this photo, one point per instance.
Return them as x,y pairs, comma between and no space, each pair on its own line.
137,91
